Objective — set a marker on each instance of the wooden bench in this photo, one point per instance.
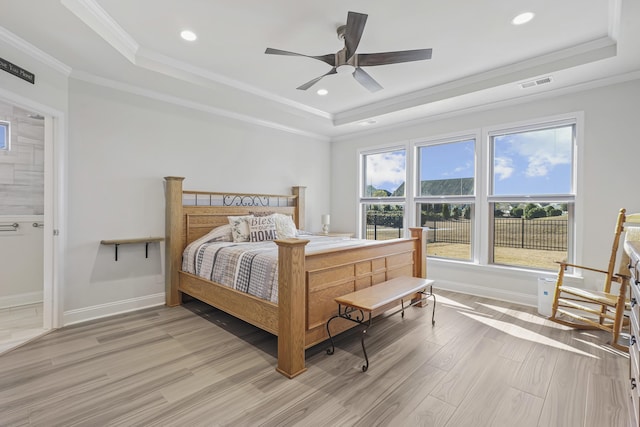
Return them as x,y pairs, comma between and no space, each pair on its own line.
355,305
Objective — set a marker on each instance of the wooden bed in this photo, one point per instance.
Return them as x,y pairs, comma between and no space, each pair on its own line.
307,284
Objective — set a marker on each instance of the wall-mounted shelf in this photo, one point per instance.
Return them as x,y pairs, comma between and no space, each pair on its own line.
145,240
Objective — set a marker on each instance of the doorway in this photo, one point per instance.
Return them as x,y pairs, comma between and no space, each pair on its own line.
27,272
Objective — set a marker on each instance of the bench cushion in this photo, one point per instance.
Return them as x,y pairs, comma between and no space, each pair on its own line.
368,299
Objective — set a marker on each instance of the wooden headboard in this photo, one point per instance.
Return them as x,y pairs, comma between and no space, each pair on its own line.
192,214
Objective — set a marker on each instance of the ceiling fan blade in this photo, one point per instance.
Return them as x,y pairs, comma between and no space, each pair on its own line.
384,58
310,83
353,31
329,58
366,80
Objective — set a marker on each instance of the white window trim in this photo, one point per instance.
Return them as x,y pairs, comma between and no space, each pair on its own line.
6,125
483,170
415,199
573,238
408,188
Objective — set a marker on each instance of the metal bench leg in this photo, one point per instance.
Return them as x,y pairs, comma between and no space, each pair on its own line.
433,311
333,347
364,350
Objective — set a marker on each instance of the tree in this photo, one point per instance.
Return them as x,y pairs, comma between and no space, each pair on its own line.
529,207
467,212
446,214
554,212
535,212
517,212
455,213
380,193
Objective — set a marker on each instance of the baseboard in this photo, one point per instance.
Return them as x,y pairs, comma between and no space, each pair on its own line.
104,310
21,299
481,291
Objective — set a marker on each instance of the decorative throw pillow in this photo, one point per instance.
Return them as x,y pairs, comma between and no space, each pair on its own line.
262,229
285,226
240,227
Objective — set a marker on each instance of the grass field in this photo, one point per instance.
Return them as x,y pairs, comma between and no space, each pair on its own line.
532,258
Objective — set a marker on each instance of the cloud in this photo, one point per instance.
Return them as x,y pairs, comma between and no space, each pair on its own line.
503,167
541,150
386,167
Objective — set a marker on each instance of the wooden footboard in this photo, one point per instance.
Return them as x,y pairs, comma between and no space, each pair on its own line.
307,283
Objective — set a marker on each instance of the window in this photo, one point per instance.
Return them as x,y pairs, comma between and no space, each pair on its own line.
496,196
445,198
383,193
4,135
531,195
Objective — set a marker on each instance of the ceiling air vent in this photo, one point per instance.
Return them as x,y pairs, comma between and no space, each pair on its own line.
538,82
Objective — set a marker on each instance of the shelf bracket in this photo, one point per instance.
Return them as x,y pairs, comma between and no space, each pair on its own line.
145,240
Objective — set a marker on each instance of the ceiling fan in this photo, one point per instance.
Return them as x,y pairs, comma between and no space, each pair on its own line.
347,60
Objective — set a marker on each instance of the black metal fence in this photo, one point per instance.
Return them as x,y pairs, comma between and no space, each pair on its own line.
543,234
384,225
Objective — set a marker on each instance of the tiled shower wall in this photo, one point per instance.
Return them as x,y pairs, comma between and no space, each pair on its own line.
22,167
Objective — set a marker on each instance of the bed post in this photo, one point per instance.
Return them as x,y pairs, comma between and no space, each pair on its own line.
174,239
291,306
300,208
420,254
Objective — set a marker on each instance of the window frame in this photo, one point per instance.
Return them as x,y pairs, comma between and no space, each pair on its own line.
418,199
482,246
363,200
5,127
573,120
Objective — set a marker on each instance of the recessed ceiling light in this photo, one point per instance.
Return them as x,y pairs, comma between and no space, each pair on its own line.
523,18
322,92
188,35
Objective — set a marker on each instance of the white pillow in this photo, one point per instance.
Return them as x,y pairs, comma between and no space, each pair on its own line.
240,227
262,229
285,226
218,234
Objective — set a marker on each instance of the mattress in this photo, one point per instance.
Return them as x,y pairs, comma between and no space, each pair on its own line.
250,267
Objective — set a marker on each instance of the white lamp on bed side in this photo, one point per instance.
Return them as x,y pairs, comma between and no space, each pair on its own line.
326,220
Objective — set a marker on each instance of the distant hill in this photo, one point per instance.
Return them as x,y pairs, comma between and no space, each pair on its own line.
447,187
371,192
438,187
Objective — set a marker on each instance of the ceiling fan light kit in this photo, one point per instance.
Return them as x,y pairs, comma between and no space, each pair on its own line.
346,60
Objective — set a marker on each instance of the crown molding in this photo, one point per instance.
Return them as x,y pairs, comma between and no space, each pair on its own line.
170,99
164,64
26,47
583,53
96,18
552,93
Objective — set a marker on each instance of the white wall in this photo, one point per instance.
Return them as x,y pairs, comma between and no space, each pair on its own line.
120,148
608,173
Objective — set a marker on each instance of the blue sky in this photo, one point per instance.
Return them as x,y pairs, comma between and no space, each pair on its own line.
3,135
533,162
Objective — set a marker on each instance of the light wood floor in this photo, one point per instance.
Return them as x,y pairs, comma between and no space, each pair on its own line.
484,363
19,325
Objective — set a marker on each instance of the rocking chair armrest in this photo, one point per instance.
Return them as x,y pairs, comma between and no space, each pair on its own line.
582,267
620,277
